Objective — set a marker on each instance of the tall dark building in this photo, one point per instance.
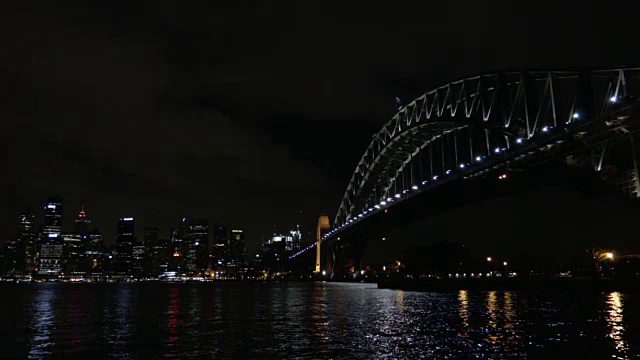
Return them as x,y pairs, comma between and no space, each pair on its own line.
175,255
95,254
83,224
220,245
51,242
154,251
124,245
196,245
53,216
236,248
26,243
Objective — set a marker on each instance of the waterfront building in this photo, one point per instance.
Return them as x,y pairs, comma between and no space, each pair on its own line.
124,245
220,249
51,242
26,243
236,248
196,245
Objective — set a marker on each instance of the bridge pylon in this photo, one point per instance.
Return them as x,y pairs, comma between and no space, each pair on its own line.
323,228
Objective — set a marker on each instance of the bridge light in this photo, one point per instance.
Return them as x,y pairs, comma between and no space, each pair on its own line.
414,187
424,182
613,99
324,272
461,166
435,177
497,150
360,215
377,206
386,210
546,128
489,258
576,115
448,172
519,140
478,158
370,209
384,238
389,199
383,203
397,196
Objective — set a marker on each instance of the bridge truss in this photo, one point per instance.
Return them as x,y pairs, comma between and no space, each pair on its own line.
479,124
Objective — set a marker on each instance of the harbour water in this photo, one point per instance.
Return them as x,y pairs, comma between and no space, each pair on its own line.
311,321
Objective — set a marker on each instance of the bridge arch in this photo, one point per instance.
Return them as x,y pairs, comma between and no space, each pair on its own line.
468,125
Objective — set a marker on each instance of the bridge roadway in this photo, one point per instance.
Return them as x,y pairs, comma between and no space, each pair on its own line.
466,136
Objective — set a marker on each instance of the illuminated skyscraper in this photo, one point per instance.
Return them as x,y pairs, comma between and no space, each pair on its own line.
124,244
220,245
236,248
196,245
26,243
83,224
51,242
53,216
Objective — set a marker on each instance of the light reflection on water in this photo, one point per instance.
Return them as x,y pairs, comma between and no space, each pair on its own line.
322,320
616,324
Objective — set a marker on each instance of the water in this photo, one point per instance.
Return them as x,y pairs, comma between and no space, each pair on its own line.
310,320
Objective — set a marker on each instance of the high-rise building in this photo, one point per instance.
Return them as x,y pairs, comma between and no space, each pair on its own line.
83,223
175,254
155,252
138,259
73,253
124,244
51,242
53,216
220,245
236,247
26,243
196,245
95,253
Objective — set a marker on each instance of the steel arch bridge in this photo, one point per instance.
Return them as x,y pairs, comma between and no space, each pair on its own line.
484,123
483,126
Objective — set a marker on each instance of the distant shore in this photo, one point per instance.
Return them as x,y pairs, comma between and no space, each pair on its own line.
541,284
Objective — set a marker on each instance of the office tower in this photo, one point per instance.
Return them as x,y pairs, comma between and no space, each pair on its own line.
26,243
196,245
138,259
154,252
124,245
95,252
236,247
175,251
51,242
220,245
53,216
83,224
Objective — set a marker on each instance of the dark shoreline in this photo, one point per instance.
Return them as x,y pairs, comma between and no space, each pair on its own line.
555,285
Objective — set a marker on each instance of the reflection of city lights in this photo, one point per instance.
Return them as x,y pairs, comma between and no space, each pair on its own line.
464,307
615,321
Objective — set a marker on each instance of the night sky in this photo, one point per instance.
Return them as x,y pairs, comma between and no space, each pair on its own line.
248,113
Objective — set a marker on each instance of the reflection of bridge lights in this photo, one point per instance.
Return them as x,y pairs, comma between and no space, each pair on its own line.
613,99
519,140
414,187
576,116
461,166
546,128
478,158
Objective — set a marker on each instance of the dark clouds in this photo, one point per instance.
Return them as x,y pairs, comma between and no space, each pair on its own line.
243,112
